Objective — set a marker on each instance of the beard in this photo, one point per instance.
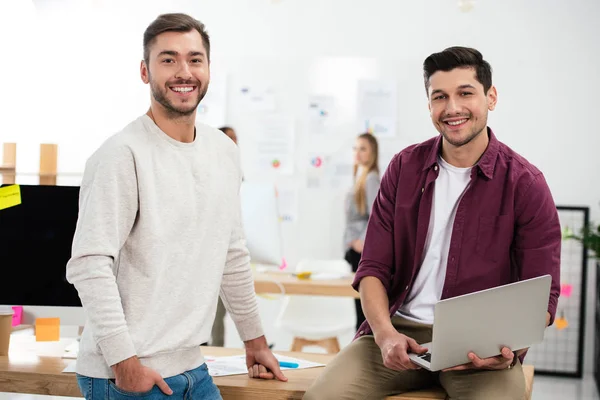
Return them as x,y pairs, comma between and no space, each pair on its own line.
173,111
475,131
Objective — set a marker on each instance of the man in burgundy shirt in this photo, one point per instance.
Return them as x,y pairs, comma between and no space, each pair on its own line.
459,213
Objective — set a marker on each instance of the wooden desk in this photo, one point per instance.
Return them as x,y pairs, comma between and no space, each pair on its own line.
28,373
242,387
264,282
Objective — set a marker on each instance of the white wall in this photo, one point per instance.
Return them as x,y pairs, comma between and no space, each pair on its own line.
70,76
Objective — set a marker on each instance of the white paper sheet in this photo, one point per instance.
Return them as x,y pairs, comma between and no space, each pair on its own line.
212,110
256,97
236,365
320,115
71,350
328,276
272,147
70,369
287,199
377,107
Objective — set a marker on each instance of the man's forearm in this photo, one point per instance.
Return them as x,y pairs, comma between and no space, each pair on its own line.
127,364
258,343
375,304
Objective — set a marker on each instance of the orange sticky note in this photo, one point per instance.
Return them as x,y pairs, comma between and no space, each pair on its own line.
561,323
47,329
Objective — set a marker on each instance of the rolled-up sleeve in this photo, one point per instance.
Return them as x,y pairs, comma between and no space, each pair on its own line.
537,242
378,253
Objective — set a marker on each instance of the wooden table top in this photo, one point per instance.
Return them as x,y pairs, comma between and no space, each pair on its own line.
24,372
267,282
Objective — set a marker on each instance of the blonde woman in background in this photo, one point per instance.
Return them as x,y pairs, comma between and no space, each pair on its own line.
359,203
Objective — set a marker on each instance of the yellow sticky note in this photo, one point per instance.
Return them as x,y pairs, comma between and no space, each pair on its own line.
10,196
47,329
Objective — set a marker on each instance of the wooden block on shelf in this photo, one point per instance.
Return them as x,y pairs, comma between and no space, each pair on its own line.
48,164
9,163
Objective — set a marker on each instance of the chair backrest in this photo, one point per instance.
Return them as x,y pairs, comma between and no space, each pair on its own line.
319,310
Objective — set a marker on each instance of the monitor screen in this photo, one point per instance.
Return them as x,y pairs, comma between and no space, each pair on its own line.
35,246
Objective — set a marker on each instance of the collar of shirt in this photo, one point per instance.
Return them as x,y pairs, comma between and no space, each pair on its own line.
486,163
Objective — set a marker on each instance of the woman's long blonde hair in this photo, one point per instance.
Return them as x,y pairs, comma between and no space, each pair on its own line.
360,183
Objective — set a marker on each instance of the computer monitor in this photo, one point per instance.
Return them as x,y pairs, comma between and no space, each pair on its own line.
36,239
262,226
35,246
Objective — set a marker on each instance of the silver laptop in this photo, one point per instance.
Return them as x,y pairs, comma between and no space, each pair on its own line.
512,315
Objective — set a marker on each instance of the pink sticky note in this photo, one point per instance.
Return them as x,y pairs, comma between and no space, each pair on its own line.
17,316
565,290
283,265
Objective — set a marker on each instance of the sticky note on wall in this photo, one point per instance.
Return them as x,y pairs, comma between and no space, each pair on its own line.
47,329
10,196
17,316
561,323
566,289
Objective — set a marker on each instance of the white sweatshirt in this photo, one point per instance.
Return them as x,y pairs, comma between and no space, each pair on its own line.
159,233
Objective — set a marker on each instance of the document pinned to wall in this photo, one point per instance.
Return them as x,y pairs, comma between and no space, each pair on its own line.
212,110
320,115
256,97
377,107
287,202
273,150
316,165
316,161
340,174
340,167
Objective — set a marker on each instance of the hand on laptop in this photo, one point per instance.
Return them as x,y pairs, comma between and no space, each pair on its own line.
395,348
502,361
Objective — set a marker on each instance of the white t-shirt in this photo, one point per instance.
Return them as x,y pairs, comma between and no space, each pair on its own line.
426,291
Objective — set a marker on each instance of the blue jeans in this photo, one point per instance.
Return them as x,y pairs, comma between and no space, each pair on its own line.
191,385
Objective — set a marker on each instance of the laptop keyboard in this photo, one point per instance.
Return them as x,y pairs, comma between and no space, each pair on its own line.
426,357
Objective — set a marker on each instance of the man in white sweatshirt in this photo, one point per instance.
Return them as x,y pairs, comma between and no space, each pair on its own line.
159,238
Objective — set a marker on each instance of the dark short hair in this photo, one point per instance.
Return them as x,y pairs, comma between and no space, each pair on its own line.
176,22
458,57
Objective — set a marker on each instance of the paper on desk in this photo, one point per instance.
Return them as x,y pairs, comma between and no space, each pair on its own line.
70,369
71,350
236,365
327,276
26,343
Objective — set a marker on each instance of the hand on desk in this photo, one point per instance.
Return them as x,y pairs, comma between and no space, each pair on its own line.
503,361
261,362
132,376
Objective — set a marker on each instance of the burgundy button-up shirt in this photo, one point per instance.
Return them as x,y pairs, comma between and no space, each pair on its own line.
506,226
